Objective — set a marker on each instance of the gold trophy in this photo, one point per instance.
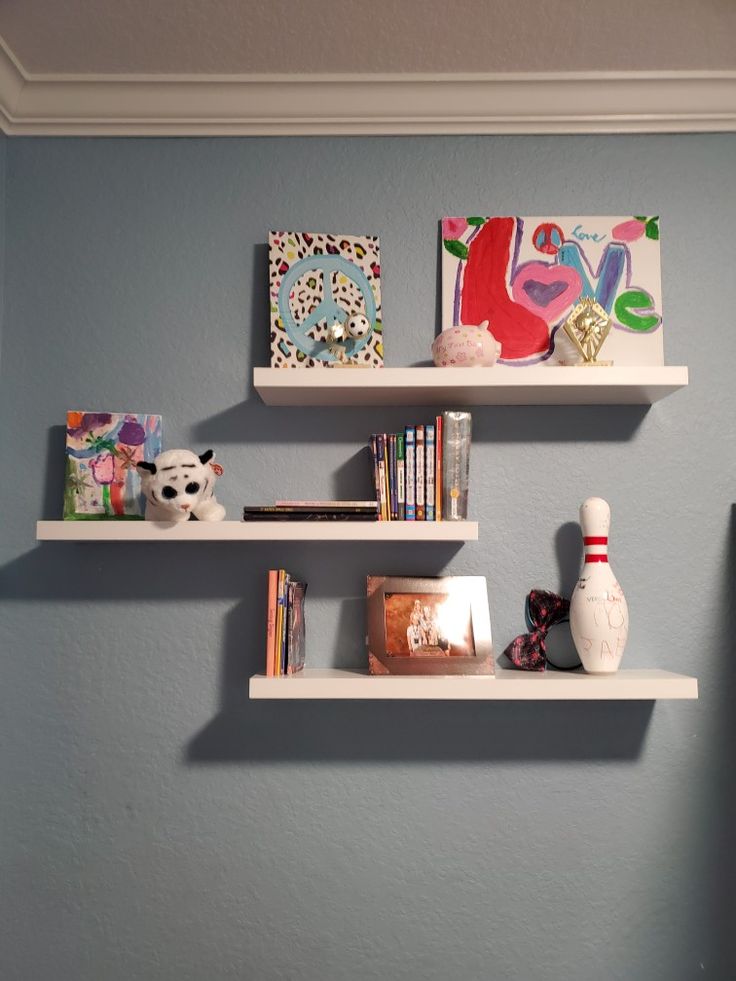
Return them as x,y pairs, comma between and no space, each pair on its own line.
587,327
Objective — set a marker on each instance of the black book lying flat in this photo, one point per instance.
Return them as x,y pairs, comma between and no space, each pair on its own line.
270,515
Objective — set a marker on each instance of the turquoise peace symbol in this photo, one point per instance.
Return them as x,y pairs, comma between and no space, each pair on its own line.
328,309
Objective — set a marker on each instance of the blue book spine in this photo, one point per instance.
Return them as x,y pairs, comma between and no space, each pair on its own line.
281,639
393,479
430,492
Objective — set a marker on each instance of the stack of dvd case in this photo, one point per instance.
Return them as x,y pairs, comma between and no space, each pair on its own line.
422,474
284,624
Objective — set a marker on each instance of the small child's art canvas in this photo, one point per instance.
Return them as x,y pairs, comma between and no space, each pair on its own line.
102,450
525,275
325,300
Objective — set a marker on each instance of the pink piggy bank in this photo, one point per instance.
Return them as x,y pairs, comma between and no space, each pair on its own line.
466,347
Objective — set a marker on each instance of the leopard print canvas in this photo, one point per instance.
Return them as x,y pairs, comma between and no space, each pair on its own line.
325,300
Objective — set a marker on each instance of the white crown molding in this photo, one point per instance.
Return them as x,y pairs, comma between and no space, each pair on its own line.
288,105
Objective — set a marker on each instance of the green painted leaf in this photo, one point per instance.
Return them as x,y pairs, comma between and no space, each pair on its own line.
640,217
476,221
456,248
652,229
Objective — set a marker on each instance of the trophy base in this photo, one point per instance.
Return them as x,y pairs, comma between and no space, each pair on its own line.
593,364
348,364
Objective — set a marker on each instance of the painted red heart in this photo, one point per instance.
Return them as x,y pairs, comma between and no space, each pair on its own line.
546,290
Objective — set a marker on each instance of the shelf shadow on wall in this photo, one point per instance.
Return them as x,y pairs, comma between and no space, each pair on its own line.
712,822
254,422
260,313
53,495
83,572
272,731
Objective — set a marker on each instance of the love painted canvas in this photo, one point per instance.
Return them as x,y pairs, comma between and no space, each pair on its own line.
102,450
525,276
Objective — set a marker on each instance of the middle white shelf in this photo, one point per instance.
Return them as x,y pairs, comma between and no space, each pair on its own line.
257,531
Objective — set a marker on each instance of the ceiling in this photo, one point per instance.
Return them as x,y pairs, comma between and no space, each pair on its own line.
316,36
285,67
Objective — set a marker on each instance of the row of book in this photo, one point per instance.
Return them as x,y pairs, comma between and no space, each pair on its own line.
422,474
284,624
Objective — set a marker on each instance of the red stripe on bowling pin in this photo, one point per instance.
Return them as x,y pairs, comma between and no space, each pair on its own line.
590,540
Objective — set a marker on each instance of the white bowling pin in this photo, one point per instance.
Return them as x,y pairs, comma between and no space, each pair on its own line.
599,616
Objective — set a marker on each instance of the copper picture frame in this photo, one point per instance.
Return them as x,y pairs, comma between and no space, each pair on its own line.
434,625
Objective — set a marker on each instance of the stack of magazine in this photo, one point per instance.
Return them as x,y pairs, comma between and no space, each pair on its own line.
422,474
284,624
312,511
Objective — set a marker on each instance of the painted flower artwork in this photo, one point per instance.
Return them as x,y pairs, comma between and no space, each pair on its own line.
102,449
525,275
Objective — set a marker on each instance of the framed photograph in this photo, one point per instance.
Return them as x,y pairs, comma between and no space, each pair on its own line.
429,626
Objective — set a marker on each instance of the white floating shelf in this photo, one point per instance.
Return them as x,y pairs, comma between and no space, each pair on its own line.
508,685
257,531
536,385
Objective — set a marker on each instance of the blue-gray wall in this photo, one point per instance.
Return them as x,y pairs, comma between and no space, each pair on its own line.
158,825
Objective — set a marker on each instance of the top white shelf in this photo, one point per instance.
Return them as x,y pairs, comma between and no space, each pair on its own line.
536,385
257,531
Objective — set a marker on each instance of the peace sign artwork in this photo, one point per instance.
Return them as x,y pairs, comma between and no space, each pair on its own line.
325,300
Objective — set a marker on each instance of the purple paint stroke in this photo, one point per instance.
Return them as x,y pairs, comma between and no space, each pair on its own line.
630,330
542,294
606,288
517,247
132,433
458,274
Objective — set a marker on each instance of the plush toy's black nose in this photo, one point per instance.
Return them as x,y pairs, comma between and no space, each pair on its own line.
168,492
192,488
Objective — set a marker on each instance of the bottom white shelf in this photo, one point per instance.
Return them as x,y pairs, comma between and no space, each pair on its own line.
508,685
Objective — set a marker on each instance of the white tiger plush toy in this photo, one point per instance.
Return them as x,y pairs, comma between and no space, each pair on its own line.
180,486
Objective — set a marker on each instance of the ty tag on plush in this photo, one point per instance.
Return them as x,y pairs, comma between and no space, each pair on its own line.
217,468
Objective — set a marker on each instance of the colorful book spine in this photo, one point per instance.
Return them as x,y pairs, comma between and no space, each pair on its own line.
420,472
387,476
279,618
438,468
429,488
392,477
381,446
273,579
283,649
410,474
401,474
